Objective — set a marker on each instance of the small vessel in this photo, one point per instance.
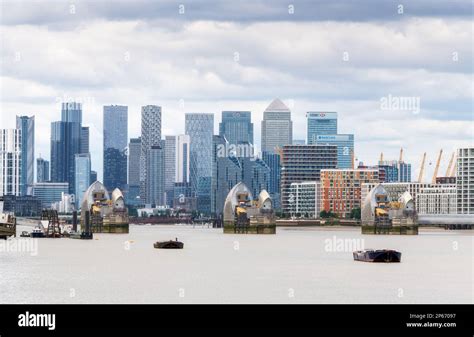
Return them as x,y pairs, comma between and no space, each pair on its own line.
378,255
169,244
82,235
37,232
25,234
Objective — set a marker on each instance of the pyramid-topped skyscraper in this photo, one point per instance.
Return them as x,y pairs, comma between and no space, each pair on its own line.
277,127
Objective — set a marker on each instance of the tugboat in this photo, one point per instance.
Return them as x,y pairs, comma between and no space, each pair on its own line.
379,255
169,244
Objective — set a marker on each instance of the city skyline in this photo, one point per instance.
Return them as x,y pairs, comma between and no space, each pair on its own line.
228,57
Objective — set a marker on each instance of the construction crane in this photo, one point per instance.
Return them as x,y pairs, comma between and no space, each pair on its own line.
401,155
435,173
420,176
448,170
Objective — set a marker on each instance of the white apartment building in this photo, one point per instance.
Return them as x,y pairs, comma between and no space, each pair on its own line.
10,162
304,198
465,180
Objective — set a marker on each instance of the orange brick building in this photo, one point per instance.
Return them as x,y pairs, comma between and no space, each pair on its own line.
341,189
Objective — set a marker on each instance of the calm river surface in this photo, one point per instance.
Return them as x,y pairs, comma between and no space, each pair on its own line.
297,265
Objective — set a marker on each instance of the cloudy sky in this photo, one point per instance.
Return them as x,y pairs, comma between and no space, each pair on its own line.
209,56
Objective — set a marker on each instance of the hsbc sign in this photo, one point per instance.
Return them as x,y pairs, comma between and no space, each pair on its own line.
322,115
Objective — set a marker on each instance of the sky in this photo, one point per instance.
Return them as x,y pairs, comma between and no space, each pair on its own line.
208,56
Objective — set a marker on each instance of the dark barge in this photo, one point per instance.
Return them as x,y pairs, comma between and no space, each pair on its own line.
379,255
169,244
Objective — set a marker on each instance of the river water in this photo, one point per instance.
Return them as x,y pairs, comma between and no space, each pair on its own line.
297,265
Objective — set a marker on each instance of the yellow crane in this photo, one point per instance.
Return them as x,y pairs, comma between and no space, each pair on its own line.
420,176
448,170
435,173
401,155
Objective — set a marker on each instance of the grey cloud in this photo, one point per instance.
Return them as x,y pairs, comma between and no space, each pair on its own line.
54,11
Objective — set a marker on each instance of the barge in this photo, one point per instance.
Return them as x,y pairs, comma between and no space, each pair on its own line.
379,255
169,244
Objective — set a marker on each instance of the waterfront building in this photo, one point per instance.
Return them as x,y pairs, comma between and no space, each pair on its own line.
25,205
345,148
301,163
83,175
304,199
341,189
465,180
66,143
10,162
134,153
236,127
277,127
440,199
320,123
49,192
115,119
42,170
27,126
150,139
200,129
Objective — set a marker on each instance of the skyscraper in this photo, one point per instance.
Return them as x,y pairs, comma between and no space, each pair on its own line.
134,151
27,126
66,143
228,170
42,170
200,128
170,168
182,158
277,127
85,135
115,146
156,175
83,176
236,127
301,163
150,138
345,147
10,162
320,123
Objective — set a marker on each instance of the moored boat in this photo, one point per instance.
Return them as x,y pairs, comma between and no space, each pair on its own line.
7,225
378,255
25,234
169,244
